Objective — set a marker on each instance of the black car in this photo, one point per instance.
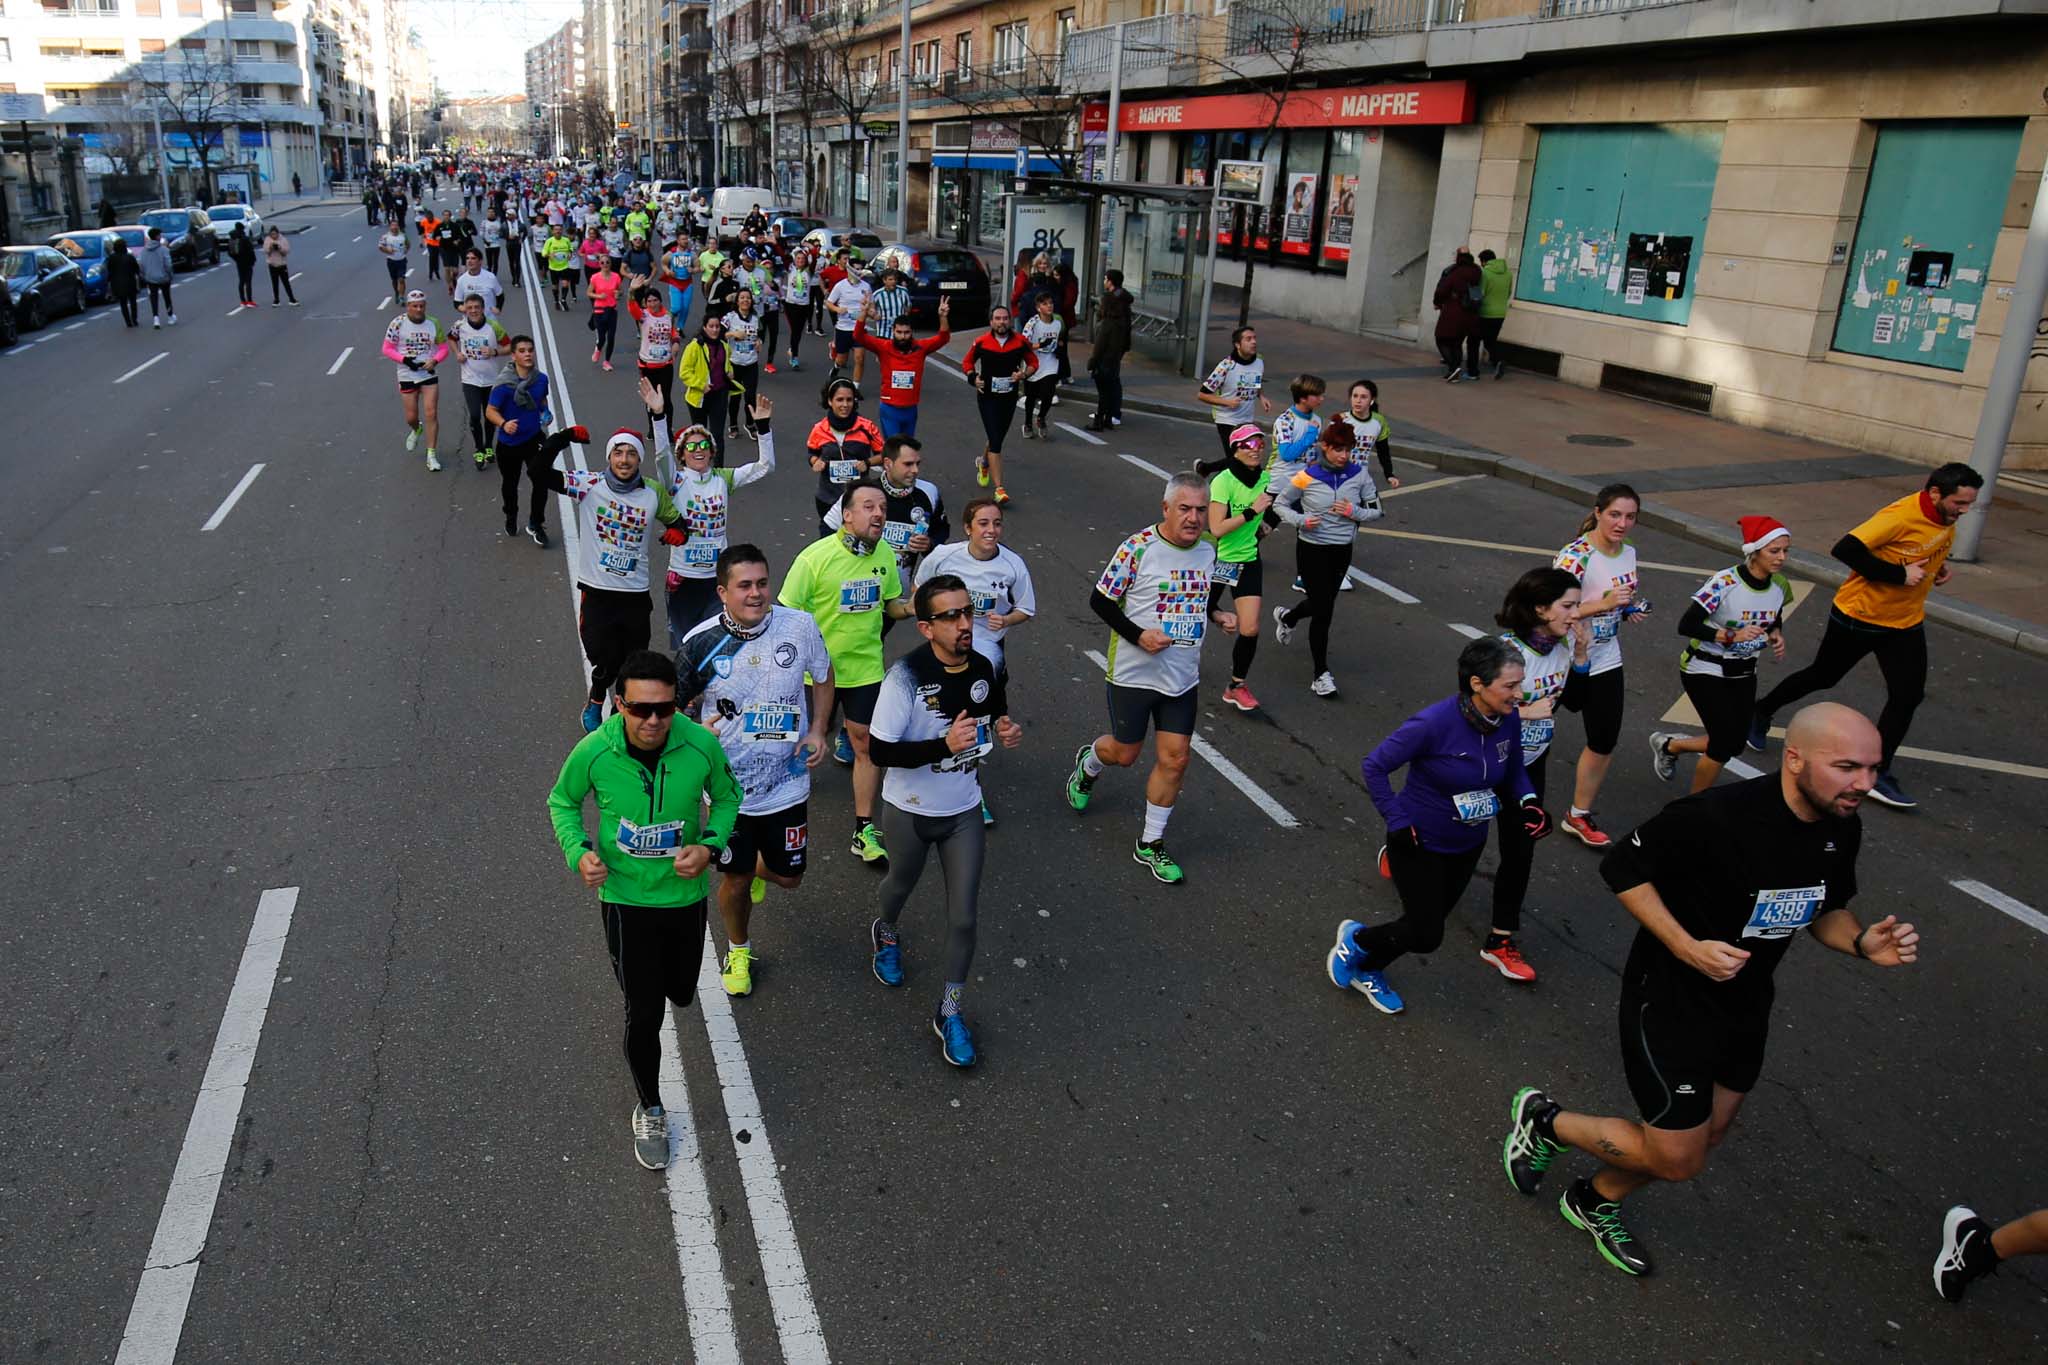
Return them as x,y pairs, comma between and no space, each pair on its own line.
42,283
10,330
188,234
934,273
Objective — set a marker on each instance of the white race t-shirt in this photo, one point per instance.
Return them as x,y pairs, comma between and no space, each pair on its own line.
999,584
1543,677
753,687
851,296
1598,572
1160,587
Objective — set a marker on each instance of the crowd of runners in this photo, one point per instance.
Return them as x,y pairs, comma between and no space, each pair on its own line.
702,756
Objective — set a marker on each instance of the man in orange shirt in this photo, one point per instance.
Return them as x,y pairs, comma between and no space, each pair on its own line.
1895,559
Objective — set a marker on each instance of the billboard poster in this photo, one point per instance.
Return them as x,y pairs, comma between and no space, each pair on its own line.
1343,206
1297,220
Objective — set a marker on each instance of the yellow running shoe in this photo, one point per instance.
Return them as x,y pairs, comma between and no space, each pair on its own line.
758,892
738,972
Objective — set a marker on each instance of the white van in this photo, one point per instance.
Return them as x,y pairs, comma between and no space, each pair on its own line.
731,205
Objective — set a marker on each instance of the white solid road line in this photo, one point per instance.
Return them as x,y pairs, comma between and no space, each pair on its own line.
1386,493
706,1302
1741,769
782,1262
235,311
328,257
143,366
1381,585
383,303
294,279
220,513
1145,465
1090,437
1232,774
1998,900
1465,630
156,1320
341,359
357,238
78,324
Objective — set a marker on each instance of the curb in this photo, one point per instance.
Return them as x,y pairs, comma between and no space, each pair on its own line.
2028,637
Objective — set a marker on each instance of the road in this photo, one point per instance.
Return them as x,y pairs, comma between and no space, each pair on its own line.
1181,1142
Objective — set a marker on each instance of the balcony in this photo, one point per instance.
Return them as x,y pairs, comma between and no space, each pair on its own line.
1152,47
1254,29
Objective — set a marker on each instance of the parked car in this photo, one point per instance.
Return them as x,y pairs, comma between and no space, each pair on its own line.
10,330
43,284
934,273
89,248
795,226
188,234
859,241
221,218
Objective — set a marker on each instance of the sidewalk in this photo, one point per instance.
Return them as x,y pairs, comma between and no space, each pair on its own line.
1696,474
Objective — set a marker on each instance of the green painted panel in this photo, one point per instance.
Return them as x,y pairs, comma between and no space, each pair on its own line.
1618,218
1923,245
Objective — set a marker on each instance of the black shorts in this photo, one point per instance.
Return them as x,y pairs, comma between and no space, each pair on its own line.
777,837
1725,706
1132,710
395,268
1251,581
1675,1053
415,385
1601,710
842,342
858,703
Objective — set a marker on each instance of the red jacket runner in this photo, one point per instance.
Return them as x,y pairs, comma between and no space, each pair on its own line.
902,375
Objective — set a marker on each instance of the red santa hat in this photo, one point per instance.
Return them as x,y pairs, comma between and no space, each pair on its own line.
1758,532
626,436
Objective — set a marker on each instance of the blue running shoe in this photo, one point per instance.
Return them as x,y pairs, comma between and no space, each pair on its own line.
888,957
1759,737
593,716
842,750
956,1044
1346,966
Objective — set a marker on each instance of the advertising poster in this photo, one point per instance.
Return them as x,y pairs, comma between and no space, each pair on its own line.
1343,205
1298,218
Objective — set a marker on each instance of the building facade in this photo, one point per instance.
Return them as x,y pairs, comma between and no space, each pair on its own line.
556,77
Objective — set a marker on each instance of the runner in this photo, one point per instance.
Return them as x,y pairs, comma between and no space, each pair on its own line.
518,412
998,583
1375,434
743,349
706,372
915,512
1326,501
1696,991
614,506
847,302
657,347
1540,617
847,581
997,362
1895,559
1729,621
900,358
592,254
393,247
475,281
1461,754
796,302
1239,495
458,238
479,341
604,311
429,224
941,711
771,312
559,250
1154,596
702,493
1234,387
747,667
1971,1248
842,446
415,342
1605,564
1043,332
650,877
681,282
491,233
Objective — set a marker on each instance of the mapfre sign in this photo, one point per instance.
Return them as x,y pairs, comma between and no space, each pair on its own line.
1364,106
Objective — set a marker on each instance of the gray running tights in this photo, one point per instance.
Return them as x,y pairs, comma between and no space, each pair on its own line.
959,839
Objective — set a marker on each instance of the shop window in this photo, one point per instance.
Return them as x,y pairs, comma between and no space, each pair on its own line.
1615,214
1295,231
1931,212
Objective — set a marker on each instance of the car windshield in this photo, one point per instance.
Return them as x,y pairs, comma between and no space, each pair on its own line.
227,213
949,262
19,264
81,248
172,221
866,241
132,236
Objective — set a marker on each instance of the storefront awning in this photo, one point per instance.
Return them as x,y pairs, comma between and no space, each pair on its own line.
992,161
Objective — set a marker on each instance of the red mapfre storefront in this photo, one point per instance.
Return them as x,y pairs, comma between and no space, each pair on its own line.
1357,106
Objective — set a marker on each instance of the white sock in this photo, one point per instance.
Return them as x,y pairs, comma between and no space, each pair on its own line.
1155,822
1091,763
735,945
1582,810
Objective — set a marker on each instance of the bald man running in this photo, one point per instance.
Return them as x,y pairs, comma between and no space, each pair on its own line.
1718,882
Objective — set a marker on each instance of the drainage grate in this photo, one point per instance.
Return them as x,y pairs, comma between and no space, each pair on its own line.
1590,439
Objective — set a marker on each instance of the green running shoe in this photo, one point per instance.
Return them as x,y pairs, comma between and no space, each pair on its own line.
867,844
1079,784
1526,1153
738,972
1600,1219
758,892
1155,856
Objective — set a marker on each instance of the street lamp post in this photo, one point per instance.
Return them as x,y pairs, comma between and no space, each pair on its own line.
903,132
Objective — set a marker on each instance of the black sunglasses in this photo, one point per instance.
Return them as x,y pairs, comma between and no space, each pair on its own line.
648,710
957,613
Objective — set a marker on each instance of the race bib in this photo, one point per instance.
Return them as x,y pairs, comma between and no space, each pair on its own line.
700,554
860,594
842,471
984,602
617,562
903,379
1476,808
650,841
897,534
1226,573
769,722
1001,384
970,758
1604,628
1777,914
1185,631
1536,736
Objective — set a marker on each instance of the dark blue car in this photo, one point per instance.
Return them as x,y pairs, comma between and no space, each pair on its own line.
934,273
89,250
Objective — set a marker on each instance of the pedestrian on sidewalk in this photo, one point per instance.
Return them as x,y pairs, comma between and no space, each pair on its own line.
242,252
1233,388
277,255
124,279
107,219
298,185
1895,559
1605,564
1459,291
154,260
1106,355
1496,287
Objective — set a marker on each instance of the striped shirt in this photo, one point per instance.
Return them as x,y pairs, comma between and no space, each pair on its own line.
890,304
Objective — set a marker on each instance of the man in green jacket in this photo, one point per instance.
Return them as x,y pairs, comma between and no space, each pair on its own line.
650,861
1496,287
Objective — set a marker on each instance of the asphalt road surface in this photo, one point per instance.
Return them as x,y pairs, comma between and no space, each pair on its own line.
1181,1142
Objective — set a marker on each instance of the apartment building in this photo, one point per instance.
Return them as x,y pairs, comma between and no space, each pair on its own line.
1805,217
556,77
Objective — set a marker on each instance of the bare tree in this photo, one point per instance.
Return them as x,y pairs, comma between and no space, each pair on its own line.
199,98
803,74
591,122
846,42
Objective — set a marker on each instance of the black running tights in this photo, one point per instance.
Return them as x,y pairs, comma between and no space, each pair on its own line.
656,951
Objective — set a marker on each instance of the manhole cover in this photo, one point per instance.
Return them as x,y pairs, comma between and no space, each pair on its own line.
1591,439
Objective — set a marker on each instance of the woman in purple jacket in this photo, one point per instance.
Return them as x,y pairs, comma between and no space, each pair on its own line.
1461,753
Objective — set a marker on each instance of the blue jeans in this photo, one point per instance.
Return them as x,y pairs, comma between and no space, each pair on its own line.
896,421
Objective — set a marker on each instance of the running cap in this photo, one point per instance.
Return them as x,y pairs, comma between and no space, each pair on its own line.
415,296
1758,532
626,436
1247,435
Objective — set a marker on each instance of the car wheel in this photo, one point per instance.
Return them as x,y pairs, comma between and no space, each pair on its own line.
35,314
78,303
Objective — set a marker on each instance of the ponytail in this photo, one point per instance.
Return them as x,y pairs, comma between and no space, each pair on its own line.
1605,498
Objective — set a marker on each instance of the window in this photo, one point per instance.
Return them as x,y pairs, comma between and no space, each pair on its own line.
963,57
66,95
6,49
1062,29
192,45
149,9
152,46
108,96
104,47
895,63
889,178
251,92
1012,44
58,49
245,48
191,9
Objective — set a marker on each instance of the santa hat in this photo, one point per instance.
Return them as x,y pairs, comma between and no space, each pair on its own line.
626,436
1758,532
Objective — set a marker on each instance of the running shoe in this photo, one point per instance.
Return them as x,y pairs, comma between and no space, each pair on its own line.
650,1137
1759,734
1662,761
737,972
1324,685
1600,1219
1386,868
1582,828
1155,856
1346,967
481,460
769,366
1002,497
1030,432
867,844
1282,631
988,817
1241,697
512,525
539,534
1527,1154
1079,784
1888,792
795,364
1966,1253
593,716
607,367
1043,434
757,890
412,438
1508,960
593,355
888,957
1500,369
981,470
842,750
433,463
956,1044
1297,584
1457,373
1345,584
